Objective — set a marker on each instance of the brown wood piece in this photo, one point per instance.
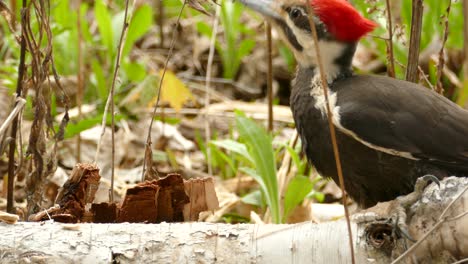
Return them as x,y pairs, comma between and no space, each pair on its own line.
140,204
155,201
202,197
104,212
77,191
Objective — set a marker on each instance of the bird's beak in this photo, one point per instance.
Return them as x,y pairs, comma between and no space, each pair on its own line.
264,7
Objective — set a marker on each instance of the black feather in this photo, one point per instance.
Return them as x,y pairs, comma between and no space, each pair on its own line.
388,113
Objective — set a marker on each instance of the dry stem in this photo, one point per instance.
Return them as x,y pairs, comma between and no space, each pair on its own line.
391,58
14,129
269,76
208,84
171,49
415,40
440,65
332,128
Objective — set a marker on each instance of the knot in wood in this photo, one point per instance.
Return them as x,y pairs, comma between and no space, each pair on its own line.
380,236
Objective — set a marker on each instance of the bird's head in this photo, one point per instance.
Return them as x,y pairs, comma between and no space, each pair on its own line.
339,27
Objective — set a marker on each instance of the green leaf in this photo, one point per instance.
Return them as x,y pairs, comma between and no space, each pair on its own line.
235,147
254,198
204,29
254,174
140,24
319,196
288,56
104,24
245,48
235,218
142,94
117,21
297,160
99,80
88,37
220,160
62,14
87,123
135,71
298,188
259,145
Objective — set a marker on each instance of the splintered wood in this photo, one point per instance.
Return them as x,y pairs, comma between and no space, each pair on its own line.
202,198
140,204
78,191
169,199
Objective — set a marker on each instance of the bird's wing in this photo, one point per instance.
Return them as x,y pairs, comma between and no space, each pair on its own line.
403,119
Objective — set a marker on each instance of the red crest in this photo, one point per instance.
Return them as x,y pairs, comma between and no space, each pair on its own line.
342,19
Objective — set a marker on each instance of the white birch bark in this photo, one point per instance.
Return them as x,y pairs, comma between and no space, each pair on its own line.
243,243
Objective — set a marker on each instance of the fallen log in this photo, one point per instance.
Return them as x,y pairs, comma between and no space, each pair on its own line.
438,219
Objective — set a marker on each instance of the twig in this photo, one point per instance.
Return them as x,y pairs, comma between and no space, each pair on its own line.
20,102
227,114
110,102
171,49
13,10
461,261
269,76
391,58
448,73
440,65
336,152
465,42
9,15
208,84
425,78
442,219
462,100
14,128
112,92
79,94
161,22
243,88
415,40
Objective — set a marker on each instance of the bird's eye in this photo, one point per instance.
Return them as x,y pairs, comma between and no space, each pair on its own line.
295,13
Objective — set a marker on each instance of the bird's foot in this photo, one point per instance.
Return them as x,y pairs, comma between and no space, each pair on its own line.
386,223
403,203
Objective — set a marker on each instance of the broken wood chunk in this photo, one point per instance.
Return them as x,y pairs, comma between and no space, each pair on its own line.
202,198
140,204
104,212
172,198
155,201
72,198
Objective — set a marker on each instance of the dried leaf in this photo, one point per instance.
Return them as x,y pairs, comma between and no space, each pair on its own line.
174,91
197,6
8,15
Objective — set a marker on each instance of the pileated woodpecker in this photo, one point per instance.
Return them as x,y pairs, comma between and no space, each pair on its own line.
390,132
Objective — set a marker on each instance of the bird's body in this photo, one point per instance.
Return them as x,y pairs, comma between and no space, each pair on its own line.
384,162
390,132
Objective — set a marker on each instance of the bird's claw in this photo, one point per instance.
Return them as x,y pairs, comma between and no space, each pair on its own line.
428,179
400,229
398,218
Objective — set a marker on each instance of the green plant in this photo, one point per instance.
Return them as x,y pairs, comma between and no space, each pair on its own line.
260,148
238,39
256,156
110,27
